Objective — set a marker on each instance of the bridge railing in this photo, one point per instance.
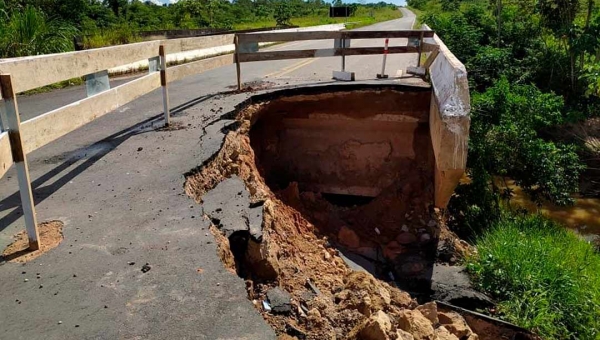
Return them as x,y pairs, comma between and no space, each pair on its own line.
247,45
449,118
17,139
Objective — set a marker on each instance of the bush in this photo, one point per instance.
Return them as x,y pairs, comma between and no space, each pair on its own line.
116,35
545,277
462,38
505,141
283,13
30,32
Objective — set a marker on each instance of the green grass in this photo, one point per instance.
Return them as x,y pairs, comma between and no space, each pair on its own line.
362,17
544,276
419,14
117,35
55,86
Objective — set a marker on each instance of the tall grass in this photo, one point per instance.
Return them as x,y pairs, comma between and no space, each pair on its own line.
30,32
544,276
116,35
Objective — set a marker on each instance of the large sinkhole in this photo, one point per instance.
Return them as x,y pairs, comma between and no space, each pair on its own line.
359,166
321,198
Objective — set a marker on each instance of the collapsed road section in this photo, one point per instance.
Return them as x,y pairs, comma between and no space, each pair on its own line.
322,199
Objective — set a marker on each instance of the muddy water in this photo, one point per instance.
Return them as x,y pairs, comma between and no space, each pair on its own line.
583,216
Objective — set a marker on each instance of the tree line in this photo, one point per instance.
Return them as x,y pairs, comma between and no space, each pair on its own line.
47,26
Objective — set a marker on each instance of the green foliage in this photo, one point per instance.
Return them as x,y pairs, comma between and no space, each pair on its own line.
520,74
475,206
110,22
122,33
30,32
533,67
591,75
505,141
283,13
462,38
545,277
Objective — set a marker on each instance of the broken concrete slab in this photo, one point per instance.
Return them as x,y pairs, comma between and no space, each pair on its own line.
279,300
451,284
228,206
255,222
357,262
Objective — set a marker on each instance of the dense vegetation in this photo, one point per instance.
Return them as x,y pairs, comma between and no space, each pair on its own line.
532,67
45,26
545,277
534,73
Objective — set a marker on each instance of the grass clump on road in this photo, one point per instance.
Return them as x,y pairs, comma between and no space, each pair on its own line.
544,276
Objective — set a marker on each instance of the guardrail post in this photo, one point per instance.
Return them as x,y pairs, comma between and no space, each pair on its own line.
431,58
2,119
163,83
237,62
420,49
13,123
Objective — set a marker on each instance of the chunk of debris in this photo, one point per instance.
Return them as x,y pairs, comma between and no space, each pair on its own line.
404,335
416,324
146,268
455,324
294,331
377,327
313,287
443,334
429,310
280,300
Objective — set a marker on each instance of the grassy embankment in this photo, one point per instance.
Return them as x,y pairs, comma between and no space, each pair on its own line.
362,17
544,276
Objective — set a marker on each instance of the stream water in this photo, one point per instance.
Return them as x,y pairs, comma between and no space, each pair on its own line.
583,216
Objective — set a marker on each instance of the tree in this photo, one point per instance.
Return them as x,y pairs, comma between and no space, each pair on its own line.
283,13
117,6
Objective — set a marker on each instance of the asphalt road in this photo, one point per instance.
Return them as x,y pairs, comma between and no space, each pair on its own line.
117,184
296,70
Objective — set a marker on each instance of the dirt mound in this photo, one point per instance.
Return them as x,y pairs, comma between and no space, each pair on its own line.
318,296
50,237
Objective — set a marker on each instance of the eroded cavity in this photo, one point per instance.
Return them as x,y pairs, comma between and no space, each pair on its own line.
323,204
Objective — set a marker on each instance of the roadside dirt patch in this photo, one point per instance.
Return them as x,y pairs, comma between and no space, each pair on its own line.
295,271
252,86
50,237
